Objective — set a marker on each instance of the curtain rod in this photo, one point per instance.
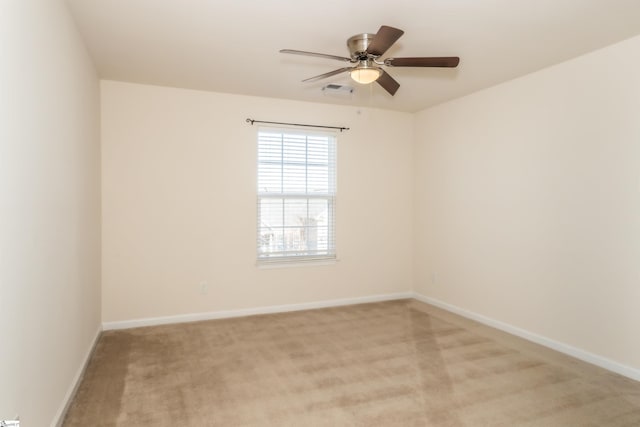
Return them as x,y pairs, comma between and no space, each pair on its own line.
297,124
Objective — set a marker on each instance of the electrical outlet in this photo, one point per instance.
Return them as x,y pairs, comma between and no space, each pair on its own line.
204,287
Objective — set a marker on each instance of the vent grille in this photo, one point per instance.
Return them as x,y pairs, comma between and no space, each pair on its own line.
337,88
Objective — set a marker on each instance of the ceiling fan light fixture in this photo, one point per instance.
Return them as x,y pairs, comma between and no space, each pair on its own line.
365,74
366,65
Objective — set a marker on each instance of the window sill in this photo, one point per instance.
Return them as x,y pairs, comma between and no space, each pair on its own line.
313,262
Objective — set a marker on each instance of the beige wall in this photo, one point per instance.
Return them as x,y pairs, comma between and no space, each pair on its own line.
527,203
179,195
49,209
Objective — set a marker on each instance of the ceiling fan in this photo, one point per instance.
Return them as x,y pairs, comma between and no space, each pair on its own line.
365,52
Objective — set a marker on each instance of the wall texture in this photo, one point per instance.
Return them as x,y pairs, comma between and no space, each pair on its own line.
50,209
179,203
527,203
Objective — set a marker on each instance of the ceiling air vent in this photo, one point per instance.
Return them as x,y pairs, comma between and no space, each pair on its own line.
336,89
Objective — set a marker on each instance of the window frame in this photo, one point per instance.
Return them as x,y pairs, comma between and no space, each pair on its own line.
286,255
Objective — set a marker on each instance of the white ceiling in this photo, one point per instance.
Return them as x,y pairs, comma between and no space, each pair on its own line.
232,46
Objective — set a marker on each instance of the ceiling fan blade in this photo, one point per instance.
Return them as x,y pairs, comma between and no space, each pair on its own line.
319,55
329,74
388,83
383,40
445,61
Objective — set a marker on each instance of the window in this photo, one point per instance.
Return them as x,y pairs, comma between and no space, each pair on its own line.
296,195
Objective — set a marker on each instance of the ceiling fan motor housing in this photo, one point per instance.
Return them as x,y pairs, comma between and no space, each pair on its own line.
359,44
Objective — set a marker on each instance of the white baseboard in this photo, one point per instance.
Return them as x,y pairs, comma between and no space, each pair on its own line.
583,355
153,321
71,392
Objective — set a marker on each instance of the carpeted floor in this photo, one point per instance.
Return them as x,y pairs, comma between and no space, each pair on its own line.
399,363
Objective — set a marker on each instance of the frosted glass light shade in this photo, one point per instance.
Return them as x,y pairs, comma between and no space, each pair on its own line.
366,75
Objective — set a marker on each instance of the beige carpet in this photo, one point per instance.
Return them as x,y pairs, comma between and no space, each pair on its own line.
399,363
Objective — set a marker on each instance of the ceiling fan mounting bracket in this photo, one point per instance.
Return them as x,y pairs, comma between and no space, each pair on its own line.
358,46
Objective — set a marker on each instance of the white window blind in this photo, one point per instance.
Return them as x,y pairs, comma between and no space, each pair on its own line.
296,195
